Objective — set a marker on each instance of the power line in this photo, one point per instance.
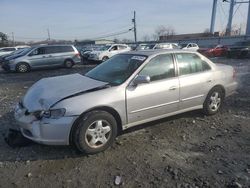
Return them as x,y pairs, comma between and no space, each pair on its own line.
114,34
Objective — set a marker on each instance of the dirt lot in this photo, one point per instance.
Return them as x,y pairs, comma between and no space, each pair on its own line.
188,150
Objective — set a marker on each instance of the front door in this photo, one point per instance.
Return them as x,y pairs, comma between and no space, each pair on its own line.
157,98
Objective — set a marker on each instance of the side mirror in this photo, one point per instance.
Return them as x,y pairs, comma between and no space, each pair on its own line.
141,79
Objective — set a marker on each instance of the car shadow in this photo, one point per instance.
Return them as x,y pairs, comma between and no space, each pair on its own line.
186,115
33,151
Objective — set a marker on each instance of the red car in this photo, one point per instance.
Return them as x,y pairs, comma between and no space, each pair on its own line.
217,51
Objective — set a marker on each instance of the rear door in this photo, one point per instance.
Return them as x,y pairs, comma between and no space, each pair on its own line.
61,53
157,98
196,78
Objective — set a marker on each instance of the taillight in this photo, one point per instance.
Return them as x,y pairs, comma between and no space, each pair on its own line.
234,73
78,54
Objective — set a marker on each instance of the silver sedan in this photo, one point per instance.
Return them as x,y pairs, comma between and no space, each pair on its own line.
88,111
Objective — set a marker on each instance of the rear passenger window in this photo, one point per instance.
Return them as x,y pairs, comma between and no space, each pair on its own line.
66,48
122,47
58,49
160,67
191,63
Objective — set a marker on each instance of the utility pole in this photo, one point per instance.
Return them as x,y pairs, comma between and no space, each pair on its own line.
13,38
48,34
134,21
230,18
248,21
213,16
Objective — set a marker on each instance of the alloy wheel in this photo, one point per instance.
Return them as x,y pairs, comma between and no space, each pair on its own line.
215,101
98,134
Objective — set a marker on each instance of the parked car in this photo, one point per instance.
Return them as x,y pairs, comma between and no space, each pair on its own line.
148,46
108,51
166,46
22,46
157,46
217,51
14,54
85,52
127,90
43,56
239,50
7,50
189,46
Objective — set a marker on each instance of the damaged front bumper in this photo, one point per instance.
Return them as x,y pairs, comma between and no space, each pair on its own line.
45,130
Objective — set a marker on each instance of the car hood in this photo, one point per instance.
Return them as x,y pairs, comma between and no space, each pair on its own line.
48,91
15,56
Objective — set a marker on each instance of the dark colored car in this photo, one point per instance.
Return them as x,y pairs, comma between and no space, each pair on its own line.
239,50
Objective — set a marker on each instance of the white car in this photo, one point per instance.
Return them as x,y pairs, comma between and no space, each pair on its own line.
166,46
189,46
108,51
158,46
7,50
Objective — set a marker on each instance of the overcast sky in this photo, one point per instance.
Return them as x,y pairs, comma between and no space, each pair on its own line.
83,19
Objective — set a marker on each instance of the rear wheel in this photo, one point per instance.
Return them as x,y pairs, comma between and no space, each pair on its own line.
22,67
213,101
68,63
95,132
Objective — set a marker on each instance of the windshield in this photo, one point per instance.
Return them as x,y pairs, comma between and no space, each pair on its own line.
117,69
104,48
183,45
149,47
26,51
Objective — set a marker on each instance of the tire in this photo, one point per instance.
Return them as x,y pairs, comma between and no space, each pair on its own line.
213,101
22,67
105,58
68,63
95,132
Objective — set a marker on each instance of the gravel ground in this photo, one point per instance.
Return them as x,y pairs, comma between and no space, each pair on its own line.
187,150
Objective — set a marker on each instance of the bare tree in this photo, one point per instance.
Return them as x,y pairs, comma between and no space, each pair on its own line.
126,40
3,39
206,32
146,38
165,32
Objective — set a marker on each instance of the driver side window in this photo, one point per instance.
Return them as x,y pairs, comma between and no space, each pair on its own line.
38,51
159,68
114,48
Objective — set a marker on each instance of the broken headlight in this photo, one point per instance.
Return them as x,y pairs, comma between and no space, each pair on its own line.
54,114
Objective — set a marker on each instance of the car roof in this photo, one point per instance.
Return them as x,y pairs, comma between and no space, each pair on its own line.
155,52
46,45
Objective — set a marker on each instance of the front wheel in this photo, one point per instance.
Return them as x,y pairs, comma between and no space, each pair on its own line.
95,132
22,67
213,101
105,58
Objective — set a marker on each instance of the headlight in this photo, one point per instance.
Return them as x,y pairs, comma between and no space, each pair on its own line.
54,114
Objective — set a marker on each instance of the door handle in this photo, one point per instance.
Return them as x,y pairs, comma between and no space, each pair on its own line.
209,81
172,88
44,56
